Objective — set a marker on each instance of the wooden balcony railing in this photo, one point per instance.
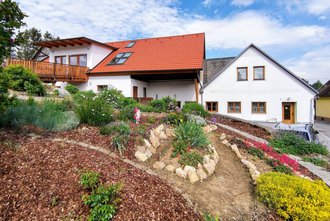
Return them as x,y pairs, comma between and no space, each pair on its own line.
52,72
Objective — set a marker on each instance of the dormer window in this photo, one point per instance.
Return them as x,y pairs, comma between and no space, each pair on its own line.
120,58
131,44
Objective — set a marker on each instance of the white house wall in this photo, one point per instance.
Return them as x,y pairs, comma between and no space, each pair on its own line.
140,85
122,83
278,86
181,90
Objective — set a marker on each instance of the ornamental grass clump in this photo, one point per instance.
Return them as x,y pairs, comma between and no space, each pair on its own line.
189,135
294,198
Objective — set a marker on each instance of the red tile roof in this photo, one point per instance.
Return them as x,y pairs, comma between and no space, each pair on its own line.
183,52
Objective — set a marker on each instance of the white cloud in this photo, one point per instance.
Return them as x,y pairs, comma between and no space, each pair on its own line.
313,65
313,7
207,3
242,2
118,20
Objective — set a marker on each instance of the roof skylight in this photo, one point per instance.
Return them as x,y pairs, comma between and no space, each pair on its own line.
131,44
120,58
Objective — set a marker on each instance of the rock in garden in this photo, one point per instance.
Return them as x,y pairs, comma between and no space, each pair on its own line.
169,132
170,168
159,165
212,148
154,140
213,163
225,142
254,174
159,129
201,174
147,143
248,164
141,156
142,149
223,136
189,168
236,151
148,153
215,157
162,135
209,167
152,150
206,159
181,173
193,178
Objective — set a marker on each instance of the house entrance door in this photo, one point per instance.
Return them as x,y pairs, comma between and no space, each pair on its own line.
288,113
135,91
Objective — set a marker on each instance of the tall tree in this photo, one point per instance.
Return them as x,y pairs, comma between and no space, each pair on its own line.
11,19
26,48
317,85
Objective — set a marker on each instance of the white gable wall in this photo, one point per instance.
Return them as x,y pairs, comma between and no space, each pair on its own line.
95,53
278,86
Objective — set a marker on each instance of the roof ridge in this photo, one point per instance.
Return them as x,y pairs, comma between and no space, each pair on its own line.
141,39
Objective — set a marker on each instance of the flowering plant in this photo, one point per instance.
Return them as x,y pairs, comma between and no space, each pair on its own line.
282,158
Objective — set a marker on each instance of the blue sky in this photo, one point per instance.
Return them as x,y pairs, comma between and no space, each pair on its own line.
294,32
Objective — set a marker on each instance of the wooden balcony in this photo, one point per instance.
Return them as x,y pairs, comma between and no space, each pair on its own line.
52,72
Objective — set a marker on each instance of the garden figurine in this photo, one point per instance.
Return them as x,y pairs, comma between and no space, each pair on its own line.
137,115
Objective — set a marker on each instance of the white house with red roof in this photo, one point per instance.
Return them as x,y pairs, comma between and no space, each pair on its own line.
144,68
252,86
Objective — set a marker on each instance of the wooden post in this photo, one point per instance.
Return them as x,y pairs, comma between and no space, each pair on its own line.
196,89
54,71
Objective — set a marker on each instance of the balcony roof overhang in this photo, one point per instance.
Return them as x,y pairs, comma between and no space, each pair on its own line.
78,41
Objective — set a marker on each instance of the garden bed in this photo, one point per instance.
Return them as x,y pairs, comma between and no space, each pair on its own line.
40,181
243,126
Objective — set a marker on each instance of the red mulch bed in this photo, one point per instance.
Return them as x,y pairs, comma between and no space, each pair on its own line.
243,126
91,135
43,170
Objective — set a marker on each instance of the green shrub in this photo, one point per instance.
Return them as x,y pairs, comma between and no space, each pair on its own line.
294,198
158,105
56,93
316,161
189,135
256,152
279,167
175,118
102,213
191,159
92,109
127,113
194,108
21,79
103,202
72,89
89,179
113,97
120,128
146,108
293,144
151,119
128,101
209,217
140,129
